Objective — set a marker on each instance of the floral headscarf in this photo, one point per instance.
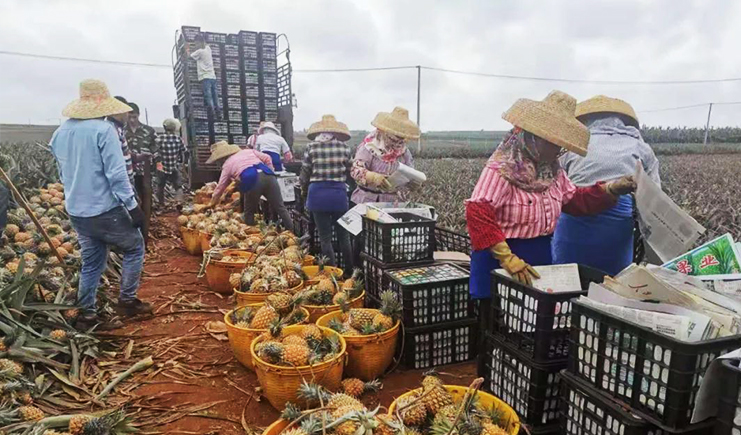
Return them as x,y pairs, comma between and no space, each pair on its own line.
392,147
520,164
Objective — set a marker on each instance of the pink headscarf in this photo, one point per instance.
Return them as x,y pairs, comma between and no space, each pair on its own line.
392,147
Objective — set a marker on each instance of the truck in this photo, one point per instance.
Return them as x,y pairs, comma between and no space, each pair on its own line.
253,83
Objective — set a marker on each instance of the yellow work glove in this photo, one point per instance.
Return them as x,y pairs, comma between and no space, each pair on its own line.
380,181
514,265
621,186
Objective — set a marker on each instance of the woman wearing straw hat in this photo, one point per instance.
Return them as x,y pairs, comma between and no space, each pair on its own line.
379,155
270,142
324,174
615,145
253,171
522,190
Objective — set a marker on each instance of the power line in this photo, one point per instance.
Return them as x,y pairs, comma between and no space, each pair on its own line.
402,67
667,109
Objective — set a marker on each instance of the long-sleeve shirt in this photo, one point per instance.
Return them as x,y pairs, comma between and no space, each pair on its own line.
366,161
141,139
4,204
325,161
234,165
92,168
171,152
498,210
121,130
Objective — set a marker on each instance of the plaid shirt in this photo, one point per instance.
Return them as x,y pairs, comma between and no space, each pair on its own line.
171,152
325,161
141,140
120,129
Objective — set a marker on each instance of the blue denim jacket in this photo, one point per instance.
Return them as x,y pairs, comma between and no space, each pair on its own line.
92,168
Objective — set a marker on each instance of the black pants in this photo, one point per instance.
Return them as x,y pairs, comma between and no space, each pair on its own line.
325,224
174,180
267,186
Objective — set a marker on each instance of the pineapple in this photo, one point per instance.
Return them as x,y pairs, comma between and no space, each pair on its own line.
77,424
341,400
292,278
295,431
435,395
447,413
242,324
58,334
30,413
264,317
12,367
271,352
388,315
53,432
492,429
259,285
182,220
21,237
71,314
347,427
295,340
311,331
44,249
354,387
11,230
281,302
340,298
327,284
361,316
352,283
235,280
296,355
413,415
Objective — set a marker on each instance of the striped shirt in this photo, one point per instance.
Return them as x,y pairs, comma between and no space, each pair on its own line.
326,161
521,214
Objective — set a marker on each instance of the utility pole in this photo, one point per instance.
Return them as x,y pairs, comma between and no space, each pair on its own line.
146,116
707,126
419,87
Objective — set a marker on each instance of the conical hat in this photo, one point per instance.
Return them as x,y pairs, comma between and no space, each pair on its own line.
603,104
551,119
222,149
329,124
397,123
95,102
268,124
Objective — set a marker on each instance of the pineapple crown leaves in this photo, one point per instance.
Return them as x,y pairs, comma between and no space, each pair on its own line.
370,329
314,424
294,317
291,412
366,420
313,393
372,386
337,326
390,305
275,329
468,425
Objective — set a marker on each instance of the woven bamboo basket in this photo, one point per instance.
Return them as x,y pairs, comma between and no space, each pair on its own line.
240,339
276,427
317,311
218,272
245,298
191,241
368,356
205,239
201,198
280,384
308,260
312,271
510,419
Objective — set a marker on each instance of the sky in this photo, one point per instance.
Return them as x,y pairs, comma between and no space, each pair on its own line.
625,40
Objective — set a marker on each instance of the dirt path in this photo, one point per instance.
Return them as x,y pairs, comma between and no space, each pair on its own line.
197,368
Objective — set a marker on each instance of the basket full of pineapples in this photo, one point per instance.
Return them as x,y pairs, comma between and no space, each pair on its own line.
325,291
440,409
284,357
221,264
268,275
371,335
245,323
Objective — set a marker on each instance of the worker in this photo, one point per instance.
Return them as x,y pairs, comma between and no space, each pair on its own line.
100,200
255,176
142,145
4,205
324,174
206,75
522,189
379,155
170,158
270,142
119,121
615,145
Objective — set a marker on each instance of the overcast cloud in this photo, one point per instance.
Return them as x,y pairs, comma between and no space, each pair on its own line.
598,40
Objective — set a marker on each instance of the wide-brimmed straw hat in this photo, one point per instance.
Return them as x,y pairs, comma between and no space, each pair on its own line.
95,102
171,124
604,104
397,123
222,149
329,124
552,119
269,125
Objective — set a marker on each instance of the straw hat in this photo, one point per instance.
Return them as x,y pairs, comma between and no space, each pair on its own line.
95,102
551,119
268,124
171,124
329,124
603,104
222,149
397,123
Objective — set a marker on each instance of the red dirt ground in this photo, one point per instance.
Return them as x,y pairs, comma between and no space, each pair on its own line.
169,270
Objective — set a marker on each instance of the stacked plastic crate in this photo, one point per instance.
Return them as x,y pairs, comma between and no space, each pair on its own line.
440,318
615,365
526,345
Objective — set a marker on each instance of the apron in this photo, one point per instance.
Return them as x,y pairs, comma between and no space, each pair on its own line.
604,241
535,252
275,157
248,177
327,196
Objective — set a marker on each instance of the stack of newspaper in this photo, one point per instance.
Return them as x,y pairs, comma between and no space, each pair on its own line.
693,297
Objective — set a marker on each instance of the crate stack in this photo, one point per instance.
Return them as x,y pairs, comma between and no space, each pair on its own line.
526,346
616,365
440,318
246,85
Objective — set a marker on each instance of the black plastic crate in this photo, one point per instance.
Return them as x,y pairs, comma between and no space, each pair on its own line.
434,346
269,78
300,223
253,127
252,104
190,32
253,117
411,239
251,91
201,127
657,375
266,39
446,240
235,117
251,78
234,103
202,141
238,139
585,410
270,105
247,38
221,127
235,127
729,400
432,294
300,200
533,320
232,38
231,50
233,77
215,38
269,65
270,92
198,112
531,389
251,65
272,116
249,52
233,91
374,275
231,63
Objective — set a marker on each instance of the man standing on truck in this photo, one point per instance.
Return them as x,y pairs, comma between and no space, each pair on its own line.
99,199
141,139
206,75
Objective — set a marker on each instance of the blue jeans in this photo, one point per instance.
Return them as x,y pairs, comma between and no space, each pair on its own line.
210,95
95,234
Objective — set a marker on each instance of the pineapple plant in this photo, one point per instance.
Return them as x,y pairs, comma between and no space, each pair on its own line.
389,312
30,413
412,411
354,387
435,396
264,317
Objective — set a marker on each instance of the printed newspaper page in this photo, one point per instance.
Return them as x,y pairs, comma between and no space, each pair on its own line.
668,229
